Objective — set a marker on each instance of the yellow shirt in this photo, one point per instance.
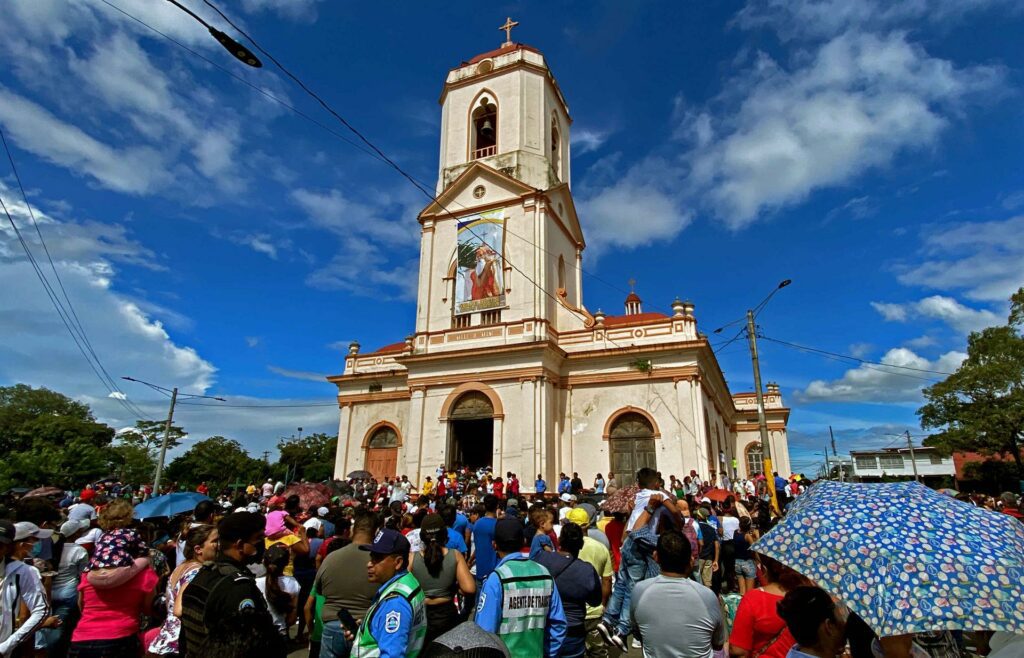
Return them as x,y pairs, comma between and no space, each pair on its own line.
427,488
285,540
600,558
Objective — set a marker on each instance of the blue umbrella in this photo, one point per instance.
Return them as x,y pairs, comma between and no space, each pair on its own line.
169,504
905,558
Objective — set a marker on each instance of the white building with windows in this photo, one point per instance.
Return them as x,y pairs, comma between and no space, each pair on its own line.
873,465
506,366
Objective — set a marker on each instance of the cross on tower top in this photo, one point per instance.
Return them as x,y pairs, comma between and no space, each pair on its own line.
509,24
632,284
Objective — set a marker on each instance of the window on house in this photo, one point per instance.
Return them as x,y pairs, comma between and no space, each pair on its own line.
485,129
891,462
376,387
935,459
755,460
561,273
866,462
490,317
461,321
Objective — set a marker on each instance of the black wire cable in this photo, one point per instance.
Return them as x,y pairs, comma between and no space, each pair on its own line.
852,358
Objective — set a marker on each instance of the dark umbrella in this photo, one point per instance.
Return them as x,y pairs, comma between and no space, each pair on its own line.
45,491
621,500
310,494
360,475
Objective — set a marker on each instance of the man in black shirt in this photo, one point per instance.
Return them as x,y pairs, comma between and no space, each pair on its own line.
223,597
576,485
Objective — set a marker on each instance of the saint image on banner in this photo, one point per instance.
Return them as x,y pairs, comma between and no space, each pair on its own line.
479,284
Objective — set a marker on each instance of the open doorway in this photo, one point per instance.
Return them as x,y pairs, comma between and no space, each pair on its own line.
471,431
473,442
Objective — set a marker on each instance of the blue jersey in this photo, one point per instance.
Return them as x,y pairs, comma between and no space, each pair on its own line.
488,609
456,541
483,535
540,486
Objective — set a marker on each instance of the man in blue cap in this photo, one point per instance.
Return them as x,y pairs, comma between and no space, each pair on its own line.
395,623
519,601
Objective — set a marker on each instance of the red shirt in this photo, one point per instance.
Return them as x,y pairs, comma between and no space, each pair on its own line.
1015,513
757,624
499,489
614,531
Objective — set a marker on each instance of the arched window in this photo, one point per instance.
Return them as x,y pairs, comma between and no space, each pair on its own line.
561,273
555,147
755,459
384,437
485,129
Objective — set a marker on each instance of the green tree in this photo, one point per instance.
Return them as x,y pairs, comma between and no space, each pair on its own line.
216,461
47,438
24,410
149,435
131,463
311,457
980,407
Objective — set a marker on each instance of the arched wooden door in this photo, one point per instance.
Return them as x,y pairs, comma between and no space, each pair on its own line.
632,447
382,453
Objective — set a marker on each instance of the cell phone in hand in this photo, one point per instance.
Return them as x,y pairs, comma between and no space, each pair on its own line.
348,622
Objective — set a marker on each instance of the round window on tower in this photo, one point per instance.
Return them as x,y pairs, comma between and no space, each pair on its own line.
479,191
485,66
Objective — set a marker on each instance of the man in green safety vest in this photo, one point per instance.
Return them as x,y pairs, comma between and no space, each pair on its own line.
395,623
519,601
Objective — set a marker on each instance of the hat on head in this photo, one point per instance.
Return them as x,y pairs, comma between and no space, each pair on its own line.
72,526
702,513
567,498
508,532
7,531
579,516
322,511
388,542
24,530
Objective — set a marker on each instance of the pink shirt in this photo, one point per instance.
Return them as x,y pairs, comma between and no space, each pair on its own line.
110,614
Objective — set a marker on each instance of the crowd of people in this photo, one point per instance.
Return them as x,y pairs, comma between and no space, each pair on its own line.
466,562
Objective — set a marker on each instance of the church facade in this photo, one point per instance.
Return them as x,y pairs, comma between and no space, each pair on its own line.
506,367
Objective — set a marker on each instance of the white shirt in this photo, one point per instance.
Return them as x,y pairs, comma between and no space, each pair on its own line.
289,586
20,581
415,545
730,524
639,503
400,492
81,512
268,489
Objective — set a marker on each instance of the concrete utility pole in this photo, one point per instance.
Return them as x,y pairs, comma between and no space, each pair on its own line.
828,468
910,444
836,454
762,422
163,446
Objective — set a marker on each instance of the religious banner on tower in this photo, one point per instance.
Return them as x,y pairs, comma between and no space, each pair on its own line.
479,277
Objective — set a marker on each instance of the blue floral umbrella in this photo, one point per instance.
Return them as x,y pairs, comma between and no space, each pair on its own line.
905,558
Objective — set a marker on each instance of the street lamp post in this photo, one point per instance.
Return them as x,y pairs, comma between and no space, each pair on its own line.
237,50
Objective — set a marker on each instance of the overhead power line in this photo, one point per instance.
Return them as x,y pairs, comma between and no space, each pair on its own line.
847,357
68,315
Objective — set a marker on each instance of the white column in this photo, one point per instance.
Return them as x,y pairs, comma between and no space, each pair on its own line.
412,442
341,464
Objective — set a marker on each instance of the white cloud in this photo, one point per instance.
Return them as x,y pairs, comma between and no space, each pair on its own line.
652,215
938,307
253,341
837,112
826,18
298,374
133,170
585,140
877,383
983,259
38,349
921,342
296,10
376,254
860,350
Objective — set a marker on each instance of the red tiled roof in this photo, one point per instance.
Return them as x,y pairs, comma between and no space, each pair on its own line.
633,297
389,349
638,318
501,51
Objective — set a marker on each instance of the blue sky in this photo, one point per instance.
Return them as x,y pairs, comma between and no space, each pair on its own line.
212,239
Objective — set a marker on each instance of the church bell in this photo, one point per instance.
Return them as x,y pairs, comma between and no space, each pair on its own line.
487,130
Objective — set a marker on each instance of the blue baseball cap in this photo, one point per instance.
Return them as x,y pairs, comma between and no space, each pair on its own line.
388,542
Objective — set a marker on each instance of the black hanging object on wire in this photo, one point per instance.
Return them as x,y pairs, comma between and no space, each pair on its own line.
240,52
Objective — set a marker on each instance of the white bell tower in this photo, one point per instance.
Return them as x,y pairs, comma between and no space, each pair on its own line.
505,109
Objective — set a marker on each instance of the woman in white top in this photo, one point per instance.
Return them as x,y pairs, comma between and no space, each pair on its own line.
280,591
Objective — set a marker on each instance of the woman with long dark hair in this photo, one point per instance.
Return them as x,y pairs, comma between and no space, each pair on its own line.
758,631
815,621
442,573
280,591
199,545
743,557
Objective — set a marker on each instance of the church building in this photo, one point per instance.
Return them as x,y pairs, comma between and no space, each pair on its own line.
506,367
